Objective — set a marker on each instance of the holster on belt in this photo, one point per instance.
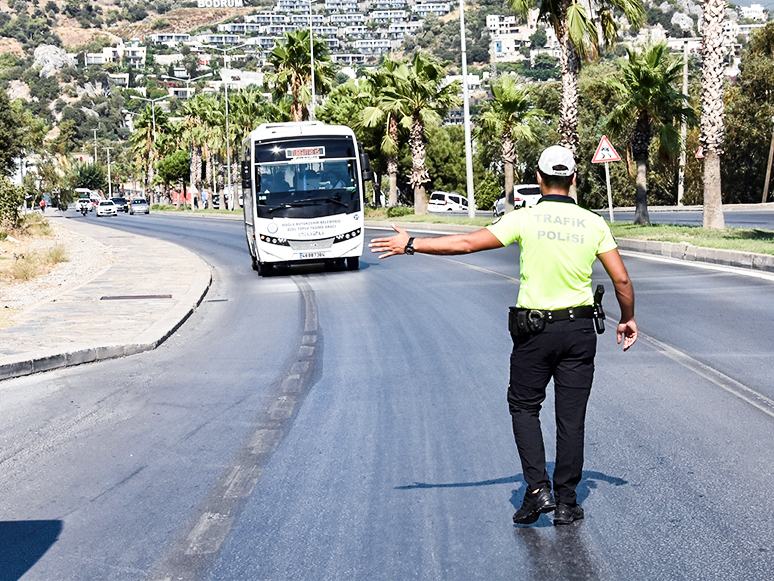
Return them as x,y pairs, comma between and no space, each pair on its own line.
525,321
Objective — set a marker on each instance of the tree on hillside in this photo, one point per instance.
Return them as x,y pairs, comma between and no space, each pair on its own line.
506,120
649,103
292,63
712,109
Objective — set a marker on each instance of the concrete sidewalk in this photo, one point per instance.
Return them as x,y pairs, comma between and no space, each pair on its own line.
131,306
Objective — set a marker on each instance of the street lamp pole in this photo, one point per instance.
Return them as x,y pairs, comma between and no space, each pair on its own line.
311,55
228,140
466,116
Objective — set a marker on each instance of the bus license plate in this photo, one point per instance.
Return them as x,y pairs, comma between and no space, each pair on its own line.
313,254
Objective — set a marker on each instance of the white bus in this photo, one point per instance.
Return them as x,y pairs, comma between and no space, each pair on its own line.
303,195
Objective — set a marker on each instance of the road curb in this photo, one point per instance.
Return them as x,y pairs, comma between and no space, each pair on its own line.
151,338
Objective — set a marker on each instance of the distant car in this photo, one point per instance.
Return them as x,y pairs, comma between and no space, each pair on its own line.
139,206
524,196
107,208
122,203
447,202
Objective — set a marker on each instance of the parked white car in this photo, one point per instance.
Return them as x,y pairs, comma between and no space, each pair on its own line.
107,208
447,202
524,196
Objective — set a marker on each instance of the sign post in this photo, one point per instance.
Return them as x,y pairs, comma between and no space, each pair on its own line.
605,154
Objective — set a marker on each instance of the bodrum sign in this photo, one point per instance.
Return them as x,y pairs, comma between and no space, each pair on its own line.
221,4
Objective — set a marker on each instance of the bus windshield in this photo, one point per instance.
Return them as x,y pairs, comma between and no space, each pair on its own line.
306,189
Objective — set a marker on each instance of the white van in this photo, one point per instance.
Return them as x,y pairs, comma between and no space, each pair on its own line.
447,202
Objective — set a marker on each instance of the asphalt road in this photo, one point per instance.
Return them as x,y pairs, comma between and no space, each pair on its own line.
353,425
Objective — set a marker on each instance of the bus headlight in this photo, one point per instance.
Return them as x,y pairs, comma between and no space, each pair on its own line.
274,240
347,236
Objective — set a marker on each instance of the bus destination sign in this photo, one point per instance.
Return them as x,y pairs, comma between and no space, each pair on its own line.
305,152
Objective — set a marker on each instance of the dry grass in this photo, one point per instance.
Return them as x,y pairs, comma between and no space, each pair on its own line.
28,251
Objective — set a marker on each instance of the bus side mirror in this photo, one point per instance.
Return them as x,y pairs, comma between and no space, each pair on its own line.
365,163
247,182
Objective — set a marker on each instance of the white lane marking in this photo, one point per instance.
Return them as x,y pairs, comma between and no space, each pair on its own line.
738,270
722,380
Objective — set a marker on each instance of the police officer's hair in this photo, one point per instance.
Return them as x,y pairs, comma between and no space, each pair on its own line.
553,182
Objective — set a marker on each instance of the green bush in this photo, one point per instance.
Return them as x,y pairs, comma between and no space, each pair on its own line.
398,211
11,199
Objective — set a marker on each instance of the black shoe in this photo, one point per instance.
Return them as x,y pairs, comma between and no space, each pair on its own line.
567,513
534,505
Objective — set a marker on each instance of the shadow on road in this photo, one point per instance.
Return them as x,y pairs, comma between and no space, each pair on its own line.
22,543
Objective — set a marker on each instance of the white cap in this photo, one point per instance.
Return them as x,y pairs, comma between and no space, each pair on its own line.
557,161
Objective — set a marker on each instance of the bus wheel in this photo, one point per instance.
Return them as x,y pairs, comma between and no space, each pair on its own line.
255,264
353,263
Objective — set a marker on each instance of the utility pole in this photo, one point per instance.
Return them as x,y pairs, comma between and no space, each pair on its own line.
110,181
683,133
95,146
768,167
466,116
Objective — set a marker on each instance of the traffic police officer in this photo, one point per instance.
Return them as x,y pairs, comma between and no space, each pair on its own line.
551,326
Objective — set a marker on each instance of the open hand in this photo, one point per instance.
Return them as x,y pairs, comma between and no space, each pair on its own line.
391,245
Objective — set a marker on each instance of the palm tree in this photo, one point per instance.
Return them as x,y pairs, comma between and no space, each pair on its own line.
712,108
649,103
578,37
143,140
505,120
294,72
420,98
376,82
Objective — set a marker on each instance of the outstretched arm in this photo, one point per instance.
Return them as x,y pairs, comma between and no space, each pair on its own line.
627,328
454,244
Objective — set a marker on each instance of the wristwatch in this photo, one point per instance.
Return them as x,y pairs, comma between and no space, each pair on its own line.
409,249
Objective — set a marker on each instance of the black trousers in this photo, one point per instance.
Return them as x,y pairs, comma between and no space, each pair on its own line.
564,350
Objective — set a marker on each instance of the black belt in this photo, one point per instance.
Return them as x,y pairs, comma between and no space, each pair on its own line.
526,321
584,312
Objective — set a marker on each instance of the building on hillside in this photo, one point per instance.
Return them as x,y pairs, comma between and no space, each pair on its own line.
389,5
754,12
373,45
424,10
387,16
399,30
171,39
347,19
349,58
509,35
219,39
131,53
350,6
267,17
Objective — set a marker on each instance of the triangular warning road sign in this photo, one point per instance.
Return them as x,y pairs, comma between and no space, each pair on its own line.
700,153
605,152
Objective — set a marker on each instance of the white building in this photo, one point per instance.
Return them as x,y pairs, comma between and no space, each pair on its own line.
401,29
508,35
170,39
754,12
342,6
426,9
387,16
348,18
132,54
373,45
